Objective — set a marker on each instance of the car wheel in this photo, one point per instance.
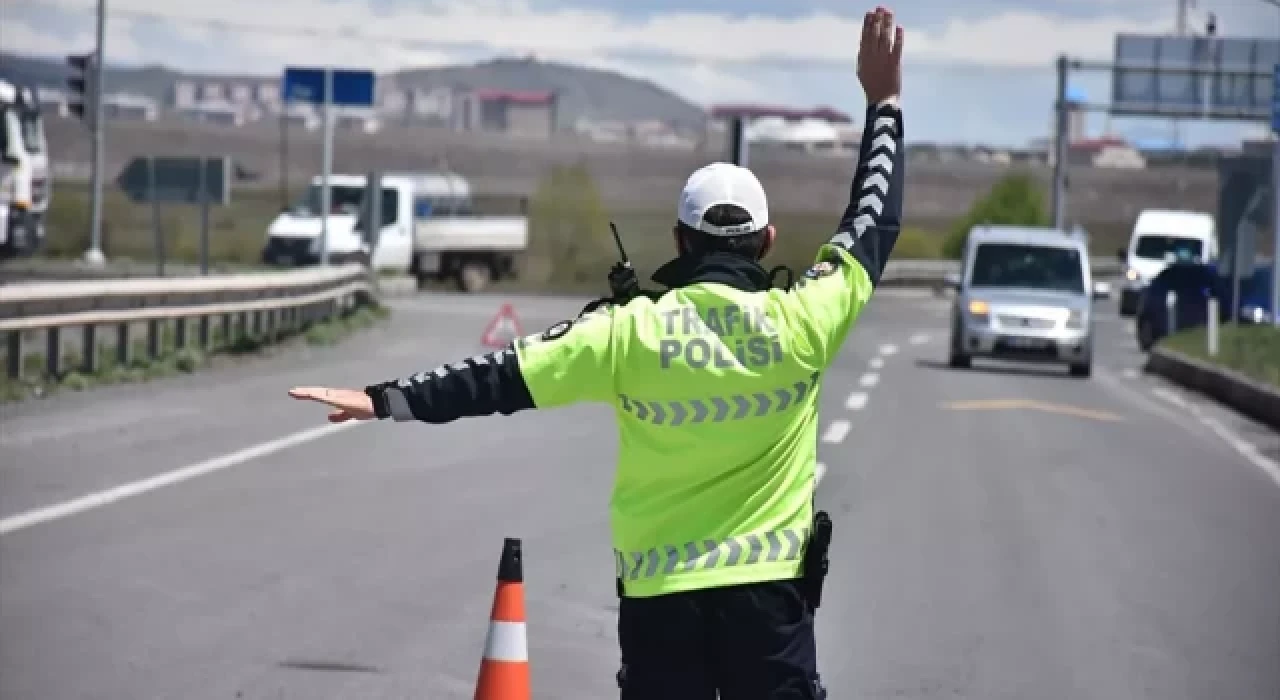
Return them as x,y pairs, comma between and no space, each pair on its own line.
959,360
1146,335
1082,371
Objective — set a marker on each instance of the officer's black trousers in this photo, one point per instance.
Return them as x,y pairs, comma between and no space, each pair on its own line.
749,642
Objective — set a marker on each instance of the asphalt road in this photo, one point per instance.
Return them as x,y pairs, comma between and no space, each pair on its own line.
1001,532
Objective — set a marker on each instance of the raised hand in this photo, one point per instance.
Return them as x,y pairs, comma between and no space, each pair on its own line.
880,57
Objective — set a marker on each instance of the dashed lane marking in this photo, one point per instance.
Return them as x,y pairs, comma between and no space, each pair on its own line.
819,471
919,339
837,431
1130,373
888,349
869,380
877,362
857,401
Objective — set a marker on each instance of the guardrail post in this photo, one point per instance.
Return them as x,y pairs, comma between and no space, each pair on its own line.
89,363
1212,329
122,345
14,351
203,331
180,334
228,330
256,324
1171,312
53,352
153,339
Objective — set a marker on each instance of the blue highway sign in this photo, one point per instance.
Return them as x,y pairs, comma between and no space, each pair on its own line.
351,88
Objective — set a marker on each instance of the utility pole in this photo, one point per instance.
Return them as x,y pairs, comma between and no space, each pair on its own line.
94,255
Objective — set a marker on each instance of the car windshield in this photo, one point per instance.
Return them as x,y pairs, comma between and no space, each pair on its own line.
1028,266
1162,247
342,199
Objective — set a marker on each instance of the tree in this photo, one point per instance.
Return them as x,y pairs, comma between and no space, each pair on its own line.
569,227
1015,199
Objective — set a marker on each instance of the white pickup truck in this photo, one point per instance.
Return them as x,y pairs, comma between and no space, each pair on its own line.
428,229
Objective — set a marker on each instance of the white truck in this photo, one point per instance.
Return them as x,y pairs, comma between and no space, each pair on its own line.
428,229
25,186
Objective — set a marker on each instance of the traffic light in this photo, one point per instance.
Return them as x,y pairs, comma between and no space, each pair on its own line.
83,86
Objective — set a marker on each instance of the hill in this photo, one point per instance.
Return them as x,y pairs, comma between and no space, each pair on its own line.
584,92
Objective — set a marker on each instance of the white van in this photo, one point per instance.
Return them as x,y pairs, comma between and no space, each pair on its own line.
1161,237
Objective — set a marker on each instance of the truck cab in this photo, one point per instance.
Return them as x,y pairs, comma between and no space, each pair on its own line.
25,186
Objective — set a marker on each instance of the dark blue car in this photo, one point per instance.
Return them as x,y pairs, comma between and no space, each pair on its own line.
1194,284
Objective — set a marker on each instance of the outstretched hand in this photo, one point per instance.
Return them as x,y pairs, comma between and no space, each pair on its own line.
347,404
880,56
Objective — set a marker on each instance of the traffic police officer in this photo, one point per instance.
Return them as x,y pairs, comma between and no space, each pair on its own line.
714,384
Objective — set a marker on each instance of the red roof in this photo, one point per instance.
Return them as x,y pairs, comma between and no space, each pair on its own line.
524,97
757,111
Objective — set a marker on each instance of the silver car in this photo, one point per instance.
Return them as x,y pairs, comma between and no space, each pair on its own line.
1025,294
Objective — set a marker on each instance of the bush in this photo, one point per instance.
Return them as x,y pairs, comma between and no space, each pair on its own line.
1253,351
1015,200
569,227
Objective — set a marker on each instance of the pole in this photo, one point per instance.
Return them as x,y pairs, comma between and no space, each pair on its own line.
1275,225
153,183
1212,326
1060,147
204,216
1182,17
94,255
284,154
326,166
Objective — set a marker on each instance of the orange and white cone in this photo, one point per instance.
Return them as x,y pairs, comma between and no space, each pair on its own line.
504,670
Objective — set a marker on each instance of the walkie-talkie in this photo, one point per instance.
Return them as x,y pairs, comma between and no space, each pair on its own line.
622,278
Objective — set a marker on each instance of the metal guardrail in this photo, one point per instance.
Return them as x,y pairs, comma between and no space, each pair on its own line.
247,305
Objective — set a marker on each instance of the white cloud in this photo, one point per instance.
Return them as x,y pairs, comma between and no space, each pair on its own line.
433,31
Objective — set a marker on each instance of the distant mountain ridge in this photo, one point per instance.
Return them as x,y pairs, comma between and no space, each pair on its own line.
585,93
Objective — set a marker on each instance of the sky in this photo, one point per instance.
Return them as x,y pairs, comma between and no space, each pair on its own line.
977,71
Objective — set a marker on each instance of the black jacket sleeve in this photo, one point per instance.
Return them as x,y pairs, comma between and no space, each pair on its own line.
478,386
871,222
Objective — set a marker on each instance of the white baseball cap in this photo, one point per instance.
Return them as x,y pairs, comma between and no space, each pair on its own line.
723,183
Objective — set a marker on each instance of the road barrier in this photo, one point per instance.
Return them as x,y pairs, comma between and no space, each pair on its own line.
253,304
933,273
1248,396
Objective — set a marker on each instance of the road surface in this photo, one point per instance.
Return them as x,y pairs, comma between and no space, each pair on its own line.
1000,532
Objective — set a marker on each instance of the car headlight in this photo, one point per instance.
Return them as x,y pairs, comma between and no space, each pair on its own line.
1131,275
979,310
1075,319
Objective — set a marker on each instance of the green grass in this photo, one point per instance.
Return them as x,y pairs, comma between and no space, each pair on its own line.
172,361
1253,351
237,232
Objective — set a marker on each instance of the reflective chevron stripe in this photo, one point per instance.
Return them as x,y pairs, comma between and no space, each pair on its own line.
718,409
744,550
876,187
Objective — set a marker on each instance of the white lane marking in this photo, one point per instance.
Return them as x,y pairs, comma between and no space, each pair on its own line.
65,509
919,338
819,471
869,380
857,401
888,349
1130,373
1170,396
1246,449
876,362
837,431
1130,327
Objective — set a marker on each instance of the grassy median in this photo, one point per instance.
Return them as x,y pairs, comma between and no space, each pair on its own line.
1253,351
172,361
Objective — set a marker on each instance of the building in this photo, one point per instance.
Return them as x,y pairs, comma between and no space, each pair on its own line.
789,114
822,130
526,114
130,107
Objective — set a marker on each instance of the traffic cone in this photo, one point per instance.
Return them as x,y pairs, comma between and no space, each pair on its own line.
504,670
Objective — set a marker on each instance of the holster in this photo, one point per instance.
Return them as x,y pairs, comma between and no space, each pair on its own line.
816,562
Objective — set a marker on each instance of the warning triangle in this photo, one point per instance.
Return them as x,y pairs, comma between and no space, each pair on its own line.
503,329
